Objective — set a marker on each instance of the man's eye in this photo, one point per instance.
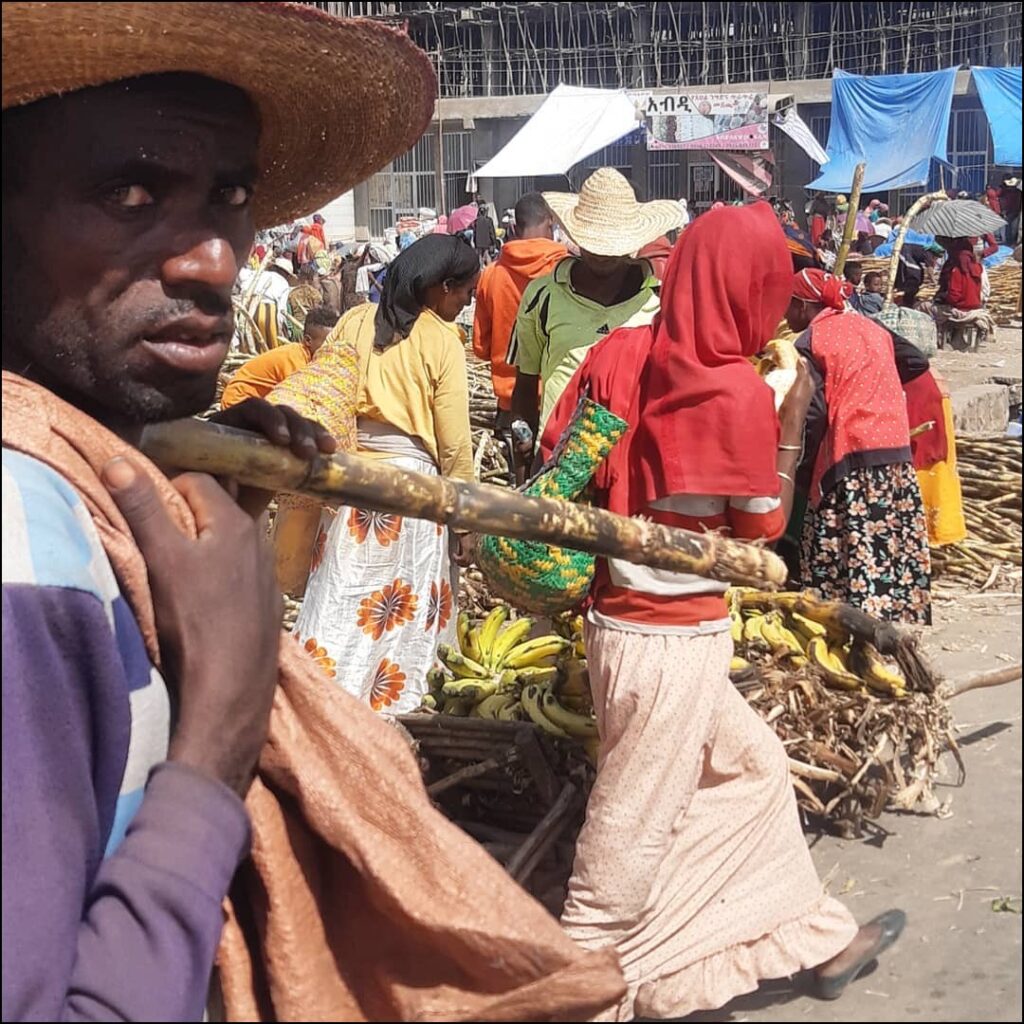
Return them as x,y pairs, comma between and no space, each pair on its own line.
235,195
130,196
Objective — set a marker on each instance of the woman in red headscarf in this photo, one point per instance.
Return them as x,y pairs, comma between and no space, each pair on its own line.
691,861
865,538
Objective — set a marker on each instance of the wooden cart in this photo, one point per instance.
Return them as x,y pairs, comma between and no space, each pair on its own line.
516,789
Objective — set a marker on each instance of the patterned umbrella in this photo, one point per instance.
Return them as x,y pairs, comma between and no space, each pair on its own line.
957,218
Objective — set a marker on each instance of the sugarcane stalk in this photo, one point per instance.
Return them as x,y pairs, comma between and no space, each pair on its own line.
851,219
478,508
997,677
894,262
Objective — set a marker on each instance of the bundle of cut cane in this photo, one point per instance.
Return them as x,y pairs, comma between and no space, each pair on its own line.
851,753
990,479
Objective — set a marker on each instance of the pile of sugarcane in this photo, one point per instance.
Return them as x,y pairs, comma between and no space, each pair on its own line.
1005,282
1004,299
990,480
852,753
855,703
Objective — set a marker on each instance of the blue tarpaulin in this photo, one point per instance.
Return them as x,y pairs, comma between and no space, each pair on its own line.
1000,92
896,124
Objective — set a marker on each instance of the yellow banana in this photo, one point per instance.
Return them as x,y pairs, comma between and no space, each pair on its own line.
462,631
593,748
539,674
807,627
530,699
831,667
489,707
512,713
579,648
532,652
436,679
472,648
489,633
752,630
738,664
870,666
566,720
470,689
511,636
460,665
429,702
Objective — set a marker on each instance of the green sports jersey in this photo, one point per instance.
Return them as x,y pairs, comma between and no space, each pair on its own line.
556,326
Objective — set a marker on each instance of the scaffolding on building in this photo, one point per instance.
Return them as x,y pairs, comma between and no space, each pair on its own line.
512,49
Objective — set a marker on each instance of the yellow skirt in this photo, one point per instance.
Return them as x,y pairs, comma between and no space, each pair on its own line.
940,492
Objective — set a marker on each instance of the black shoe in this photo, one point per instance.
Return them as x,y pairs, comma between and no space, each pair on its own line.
890,926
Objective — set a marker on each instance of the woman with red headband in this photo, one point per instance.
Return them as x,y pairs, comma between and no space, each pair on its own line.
865,538
691,861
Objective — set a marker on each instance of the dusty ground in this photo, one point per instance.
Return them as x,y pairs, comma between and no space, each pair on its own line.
1000,357
959,959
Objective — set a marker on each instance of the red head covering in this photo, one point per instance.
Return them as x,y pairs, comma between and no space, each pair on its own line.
814,285
707,422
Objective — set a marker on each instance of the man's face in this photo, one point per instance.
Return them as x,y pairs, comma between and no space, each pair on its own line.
124,228
604,266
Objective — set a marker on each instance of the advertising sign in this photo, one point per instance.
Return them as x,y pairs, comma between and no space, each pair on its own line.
733,121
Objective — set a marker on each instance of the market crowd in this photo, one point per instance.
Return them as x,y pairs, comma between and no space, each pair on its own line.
141,614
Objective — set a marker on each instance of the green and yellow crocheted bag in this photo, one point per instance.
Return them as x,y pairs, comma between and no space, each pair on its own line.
541,578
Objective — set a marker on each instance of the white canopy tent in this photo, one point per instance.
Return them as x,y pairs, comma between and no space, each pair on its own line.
570,125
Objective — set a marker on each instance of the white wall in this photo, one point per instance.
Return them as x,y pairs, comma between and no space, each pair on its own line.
340,218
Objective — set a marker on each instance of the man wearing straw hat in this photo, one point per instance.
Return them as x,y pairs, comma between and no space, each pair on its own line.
563,314
143,144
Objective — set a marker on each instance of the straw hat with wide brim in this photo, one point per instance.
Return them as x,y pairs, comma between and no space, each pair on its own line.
606,219
337,97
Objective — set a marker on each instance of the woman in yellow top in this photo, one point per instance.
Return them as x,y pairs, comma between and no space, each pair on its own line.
380,596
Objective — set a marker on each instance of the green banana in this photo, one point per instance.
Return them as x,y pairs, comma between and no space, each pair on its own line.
461,665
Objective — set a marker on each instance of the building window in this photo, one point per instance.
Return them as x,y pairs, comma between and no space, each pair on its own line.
409,184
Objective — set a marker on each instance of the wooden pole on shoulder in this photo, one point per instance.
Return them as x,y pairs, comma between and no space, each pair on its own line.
479,508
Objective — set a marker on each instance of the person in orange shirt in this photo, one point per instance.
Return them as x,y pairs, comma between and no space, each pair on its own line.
531,254
259,376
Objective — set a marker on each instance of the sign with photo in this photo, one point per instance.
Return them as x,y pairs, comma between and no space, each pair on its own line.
732,121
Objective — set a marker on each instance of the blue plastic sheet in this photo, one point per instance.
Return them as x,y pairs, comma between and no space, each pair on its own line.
896,124
1001,255
913,238
1000,92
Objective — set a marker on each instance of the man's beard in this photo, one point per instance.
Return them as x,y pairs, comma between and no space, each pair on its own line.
86,367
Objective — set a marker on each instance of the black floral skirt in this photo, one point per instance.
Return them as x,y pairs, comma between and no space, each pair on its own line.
867,544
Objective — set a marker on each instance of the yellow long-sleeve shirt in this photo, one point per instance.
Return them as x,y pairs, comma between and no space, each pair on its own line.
417,385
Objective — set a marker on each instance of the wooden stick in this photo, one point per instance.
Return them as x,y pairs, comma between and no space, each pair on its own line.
521,864
851,219
997,677
897,248
479,508
470,771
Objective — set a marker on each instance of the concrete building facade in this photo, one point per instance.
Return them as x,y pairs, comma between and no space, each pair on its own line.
497,62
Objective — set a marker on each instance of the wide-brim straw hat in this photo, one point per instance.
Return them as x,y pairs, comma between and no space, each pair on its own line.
606,219
337,97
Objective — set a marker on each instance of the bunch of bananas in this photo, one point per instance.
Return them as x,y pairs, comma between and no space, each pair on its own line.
796,640
498,672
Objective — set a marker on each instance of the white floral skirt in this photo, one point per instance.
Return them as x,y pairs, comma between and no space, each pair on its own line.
380,599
